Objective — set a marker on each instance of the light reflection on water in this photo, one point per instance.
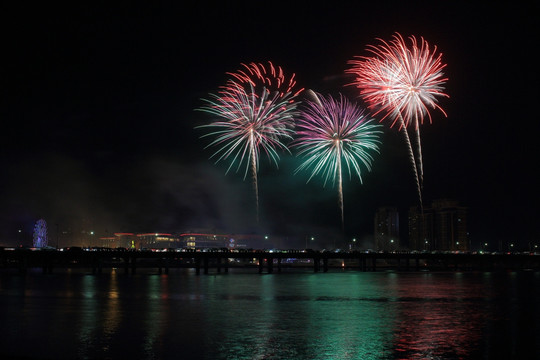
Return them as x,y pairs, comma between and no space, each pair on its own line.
244,315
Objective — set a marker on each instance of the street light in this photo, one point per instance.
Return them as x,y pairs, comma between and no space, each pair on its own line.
312,238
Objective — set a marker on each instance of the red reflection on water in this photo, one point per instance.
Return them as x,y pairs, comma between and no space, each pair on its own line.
437,319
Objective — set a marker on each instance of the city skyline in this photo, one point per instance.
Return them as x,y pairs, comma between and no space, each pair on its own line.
99,122
445,229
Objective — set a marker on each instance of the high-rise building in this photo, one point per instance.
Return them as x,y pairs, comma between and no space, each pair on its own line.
441,227
417,238
387,229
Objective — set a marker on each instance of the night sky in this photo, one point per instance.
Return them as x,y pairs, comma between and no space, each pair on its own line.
98,116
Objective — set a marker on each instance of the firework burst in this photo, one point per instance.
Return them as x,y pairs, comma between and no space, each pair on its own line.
402,83
335,135
251,119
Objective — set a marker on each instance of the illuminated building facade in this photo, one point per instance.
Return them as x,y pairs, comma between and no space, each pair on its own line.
387,229
158,241
205,241
126,240
442,227
108,241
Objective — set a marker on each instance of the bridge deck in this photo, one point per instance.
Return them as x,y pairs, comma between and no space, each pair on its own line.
96,260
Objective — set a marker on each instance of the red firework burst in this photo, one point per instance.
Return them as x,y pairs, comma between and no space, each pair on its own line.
401,82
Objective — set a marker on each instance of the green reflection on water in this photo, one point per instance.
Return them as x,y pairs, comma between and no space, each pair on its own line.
304,316
350,318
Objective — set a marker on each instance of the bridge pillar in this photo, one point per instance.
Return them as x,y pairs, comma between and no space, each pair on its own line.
261,265
279,264
316,264
96,265
270,264
126,264
197,266
205,261
325,264
23,264
133,264
362,264
160,266
47,269
163,266
218,264
47,265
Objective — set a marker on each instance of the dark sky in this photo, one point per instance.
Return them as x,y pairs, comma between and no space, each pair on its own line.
97,110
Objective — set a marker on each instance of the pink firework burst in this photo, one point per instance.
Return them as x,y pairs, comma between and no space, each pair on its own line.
402,82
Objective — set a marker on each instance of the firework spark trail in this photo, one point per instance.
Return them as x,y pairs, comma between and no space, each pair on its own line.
249,122
254,168
402,82
420,162
332,133
340,187
415,170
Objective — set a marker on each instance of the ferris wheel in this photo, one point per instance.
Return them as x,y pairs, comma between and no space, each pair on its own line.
40,234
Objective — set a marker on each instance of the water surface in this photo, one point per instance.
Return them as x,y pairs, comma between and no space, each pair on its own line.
289,315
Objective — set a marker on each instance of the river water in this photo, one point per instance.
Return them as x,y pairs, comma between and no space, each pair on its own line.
295,314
